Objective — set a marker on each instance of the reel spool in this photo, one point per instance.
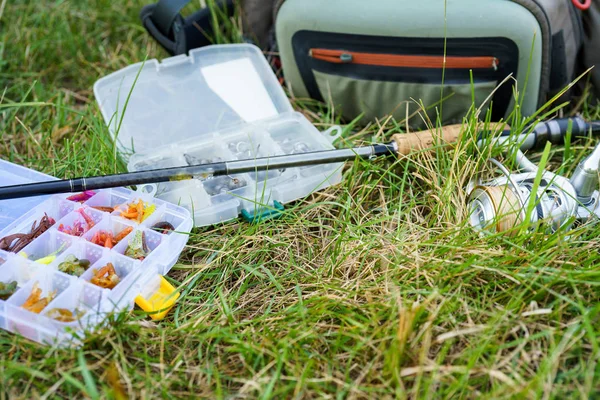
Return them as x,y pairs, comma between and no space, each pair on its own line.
500,205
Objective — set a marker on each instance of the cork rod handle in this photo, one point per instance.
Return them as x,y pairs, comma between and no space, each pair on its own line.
425,140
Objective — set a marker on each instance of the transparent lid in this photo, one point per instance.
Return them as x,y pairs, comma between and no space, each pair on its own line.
13,174
151,105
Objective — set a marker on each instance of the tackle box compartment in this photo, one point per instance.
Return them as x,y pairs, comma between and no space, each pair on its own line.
219,103
89,303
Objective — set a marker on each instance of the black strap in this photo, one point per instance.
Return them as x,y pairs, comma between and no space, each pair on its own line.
558,66
166,12
175,34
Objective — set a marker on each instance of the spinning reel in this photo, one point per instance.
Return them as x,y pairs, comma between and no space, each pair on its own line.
502,203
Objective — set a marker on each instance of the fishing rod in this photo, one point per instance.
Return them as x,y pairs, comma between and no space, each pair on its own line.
400,145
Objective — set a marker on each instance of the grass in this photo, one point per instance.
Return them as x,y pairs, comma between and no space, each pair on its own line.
375,288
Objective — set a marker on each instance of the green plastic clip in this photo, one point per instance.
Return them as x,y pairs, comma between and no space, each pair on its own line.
264,214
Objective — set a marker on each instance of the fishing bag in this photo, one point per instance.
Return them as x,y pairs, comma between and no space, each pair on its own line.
396,57
393,57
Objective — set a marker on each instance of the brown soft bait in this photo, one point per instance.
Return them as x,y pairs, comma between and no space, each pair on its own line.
163,227
104,209
18,241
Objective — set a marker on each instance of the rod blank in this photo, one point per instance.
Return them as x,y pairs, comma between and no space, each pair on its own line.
401,145
203,171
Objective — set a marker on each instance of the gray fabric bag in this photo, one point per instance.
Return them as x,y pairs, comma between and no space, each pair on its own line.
591,44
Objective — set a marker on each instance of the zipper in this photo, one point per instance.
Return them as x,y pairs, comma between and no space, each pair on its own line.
404,61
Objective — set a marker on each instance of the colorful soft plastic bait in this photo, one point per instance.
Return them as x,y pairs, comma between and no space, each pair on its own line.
104,209
79,228
7,289
137,247
106,238
47,259
35,302
16,242
82,197
106,277
65,315
163,227
138,211
73,265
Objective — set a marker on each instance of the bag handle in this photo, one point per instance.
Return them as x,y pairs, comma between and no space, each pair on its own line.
166,13
175,34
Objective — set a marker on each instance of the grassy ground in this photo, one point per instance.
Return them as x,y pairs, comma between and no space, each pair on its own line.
371,289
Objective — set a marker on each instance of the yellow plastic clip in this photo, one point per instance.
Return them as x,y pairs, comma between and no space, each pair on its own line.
163,299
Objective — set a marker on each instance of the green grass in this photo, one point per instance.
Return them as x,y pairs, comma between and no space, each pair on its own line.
375,288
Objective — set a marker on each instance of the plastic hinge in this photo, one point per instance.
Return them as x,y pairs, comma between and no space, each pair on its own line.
264,213
332,134
147,189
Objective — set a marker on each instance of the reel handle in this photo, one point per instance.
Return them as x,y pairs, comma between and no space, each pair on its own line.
425,140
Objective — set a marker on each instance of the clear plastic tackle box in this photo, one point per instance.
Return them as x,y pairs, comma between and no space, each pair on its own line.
38,265
218,103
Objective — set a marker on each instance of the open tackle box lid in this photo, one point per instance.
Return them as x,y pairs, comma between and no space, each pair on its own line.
38,265
219,103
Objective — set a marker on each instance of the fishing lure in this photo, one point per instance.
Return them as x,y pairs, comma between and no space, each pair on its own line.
35,302
106,277
82,197
79,227
104,209
137,247
65,315
7,289
18,241
139,211
73,265
47,259
106,239
163,227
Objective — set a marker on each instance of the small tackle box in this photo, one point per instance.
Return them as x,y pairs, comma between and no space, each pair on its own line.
219,103
94,254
